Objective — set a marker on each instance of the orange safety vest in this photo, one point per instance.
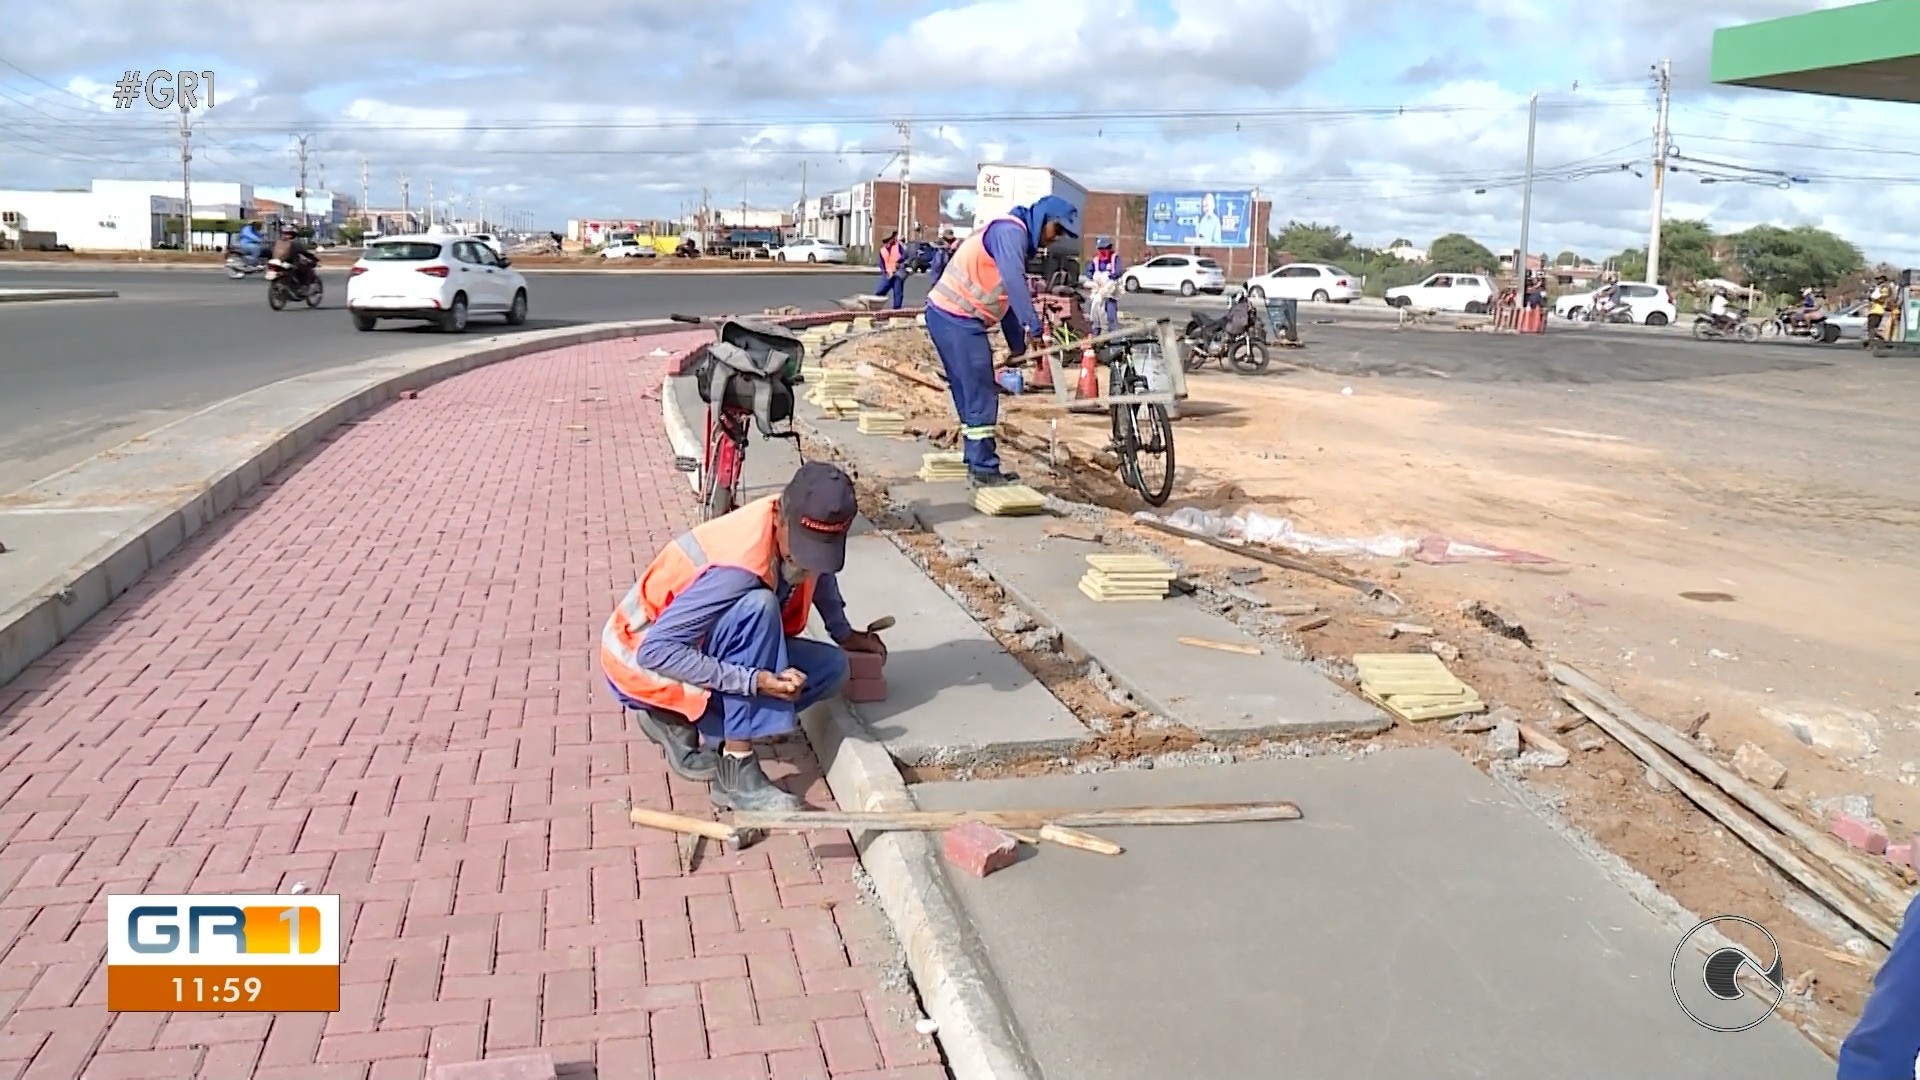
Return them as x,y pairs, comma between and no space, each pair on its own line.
890,257
742,539
971,287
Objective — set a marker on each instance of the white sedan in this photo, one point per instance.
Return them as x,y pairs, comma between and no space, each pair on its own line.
1445,292
810,250
1184,274
629,249
1318,282
438,279
1650,304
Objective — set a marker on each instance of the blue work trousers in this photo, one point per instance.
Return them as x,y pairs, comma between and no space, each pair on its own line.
893,286
1112,311
966,352
750,634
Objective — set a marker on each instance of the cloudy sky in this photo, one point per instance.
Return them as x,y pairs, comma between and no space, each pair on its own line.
1392,118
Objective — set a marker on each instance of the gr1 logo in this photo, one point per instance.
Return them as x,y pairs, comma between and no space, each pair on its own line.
211,932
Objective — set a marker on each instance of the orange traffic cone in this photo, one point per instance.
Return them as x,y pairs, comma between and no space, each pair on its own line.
1089,384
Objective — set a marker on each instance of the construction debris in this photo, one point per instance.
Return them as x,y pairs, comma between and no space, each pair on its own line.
1009,500
943,466
879,422
1414,686
1756,766
979,849
1222,646
1126,577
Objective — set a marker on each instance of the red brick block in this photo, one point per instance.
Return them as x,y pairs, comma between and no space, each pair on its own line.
1900,854
518,1067
866,665
979,849
1859,834
859,690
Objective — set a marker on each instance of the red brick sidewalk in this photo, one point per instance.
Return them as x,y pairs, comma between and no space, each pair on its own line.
376,679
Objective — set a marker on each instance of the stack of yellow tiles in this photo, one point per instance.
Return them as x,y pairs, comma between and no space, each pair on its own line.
942,466
1126,577
1009,500
877,422
1414,686
835,392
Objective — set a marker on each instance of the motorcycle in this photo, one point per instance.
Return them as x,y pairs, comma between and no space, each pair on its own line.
1237,339
283,286
1708,328
1793,322
1618,314
240,265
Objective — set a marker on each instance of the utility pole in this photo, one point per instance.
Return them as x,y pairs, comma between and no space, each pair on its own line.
186,182
905,128
300,192
1663,76
1526,199
406,201
433,208
363,192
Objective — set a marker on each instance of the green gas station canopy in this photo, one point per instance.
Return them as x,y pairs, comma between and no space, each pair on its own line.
1869,51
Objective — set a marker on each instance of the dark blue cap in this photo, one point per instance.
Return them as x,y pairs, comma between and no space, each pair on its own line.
819,504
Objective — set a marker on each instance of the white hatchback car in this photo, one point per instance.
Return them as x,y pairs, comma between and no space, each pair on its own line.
1318,282
441,279
1184,274
1650,304
806,249
1471,293
630,249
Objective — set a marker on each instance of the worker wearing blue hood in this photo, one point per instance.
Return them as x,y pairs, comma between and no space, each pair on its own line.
984,285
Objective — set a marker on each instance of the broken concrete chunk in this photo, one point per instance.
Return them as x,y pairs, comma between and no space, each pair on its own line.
1472,724
1012,620
1756,767
1245,575
1656,781
1835,729
1543,759
1503,742
979,849
1588,744
1443,650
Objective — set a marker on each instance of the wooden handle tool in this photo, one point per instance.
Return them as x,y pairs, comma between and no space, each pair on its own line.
1074,838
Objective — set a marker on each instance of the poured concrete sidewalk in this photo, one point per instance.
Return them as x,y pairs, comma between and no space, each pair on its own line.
376,678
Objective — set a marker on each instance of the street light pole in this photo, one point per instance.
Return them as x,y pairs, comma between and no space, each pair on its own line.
1526,199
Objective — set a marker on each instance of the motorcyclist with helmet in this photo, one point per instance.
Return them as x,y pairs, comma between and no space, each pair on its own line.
251,242
290,250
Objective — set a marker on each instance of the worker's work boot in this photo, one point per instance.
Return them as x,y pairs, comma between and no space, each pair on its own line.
743,785
986,478
681,743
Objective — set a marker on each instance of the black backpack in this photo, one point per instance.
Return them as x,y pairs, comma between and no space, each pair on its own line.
753,366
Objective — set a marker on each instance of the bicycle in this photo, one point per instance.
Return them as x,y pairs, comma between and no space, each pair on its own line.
746,377
1137,429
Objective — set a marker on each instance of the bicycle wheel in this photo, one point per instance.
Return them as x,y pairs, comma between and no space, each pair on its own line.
1144,432
719,474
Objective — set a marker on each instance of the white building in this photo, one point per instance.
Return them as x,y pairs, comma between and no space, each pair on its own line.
325,210
1408,253
109,216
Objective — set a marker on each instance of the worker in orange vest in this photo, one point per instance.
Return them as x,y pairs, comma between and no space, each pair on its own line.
705,650
983,286
893,272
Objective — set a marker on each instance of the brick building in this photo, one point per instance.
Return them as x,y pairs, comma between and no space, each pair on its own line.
862,218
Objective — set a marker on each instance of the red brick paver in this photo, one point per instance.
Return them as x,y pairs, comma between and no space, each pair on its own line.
376,679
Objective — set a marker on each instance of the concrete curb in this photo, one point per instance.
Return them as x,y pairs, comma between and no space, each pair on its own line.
680,431
29,296
31,627
956,982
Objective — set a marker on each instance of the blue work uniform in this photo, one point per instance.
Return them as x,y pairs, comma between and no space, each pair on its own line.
966,347
723,630
893,279
1885,1044
1111,263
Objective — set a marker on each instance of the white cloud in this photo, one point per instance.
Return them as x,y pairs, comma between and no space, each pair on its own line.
604,107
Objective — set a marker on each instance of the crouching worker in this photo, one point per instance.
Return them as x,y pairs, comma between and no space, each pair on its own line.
705,651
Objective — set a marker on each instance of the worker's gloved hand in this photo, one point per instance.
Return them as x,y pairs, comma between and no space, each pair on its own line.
785,686
864,641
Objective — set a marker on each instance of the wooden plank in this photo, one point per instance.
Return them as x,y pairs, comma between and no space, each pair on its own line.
1223,646
1074,838
1828,850
938,820
680,823
1721,810
1271,558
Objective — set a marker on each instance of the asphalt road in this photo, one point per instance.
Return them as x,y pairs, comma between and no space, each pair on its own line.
78,377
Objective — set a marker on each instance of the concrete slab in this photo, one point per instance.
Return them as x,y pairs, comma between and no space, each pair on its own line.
1418,922
954,696
1223,695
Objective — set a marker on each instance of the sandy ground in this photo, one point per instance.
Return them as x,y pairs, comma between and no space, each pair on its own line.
1731,535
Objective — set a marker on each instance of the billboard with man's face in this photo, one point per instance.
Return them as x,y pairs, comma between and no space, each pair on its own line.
1220,219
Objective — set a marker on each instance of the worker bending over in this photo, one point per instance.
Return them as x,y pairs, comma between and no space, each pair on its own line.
705,650
893,272
983,286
